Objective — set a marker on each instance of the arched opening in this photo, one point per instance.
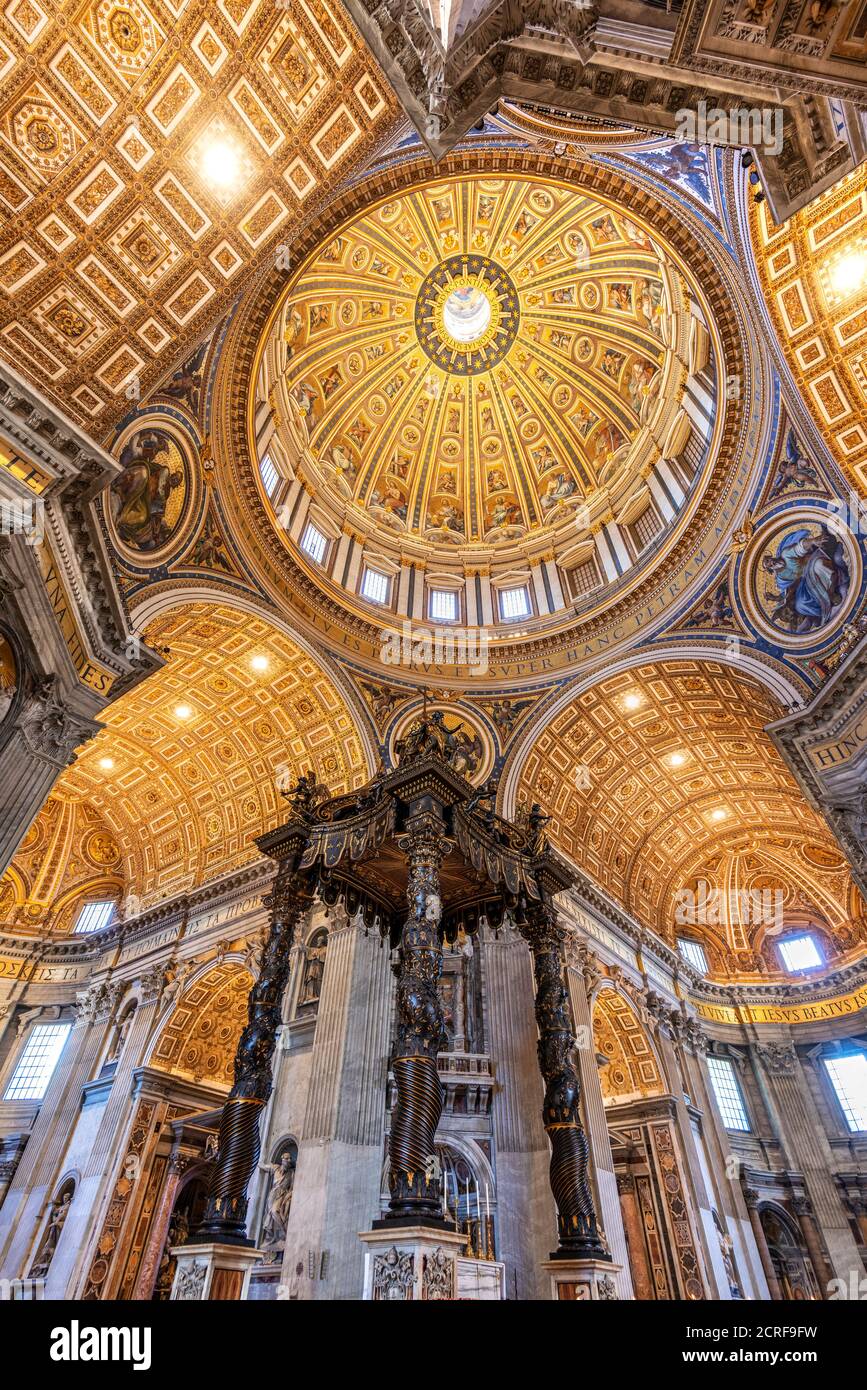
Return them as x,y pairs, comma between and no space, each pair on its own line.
188,768
186,1214
792,1265
199,1038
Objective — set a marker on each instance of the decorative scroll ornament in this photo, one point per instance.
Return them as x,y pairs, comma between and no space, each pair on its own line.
49,730
191,1283
780,1059
438,1276
393,1275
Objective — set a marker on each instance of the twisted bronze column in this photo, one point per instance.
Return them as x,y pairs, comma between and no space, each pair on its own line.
414,1177
561,1115
238,1152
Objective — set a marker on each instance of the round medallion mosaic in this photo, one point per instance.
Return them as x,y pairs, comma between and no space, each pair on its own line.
466,314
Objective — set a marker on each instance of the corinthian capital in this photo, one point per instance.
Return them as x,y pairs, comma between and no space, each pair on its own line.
780,1059
50,730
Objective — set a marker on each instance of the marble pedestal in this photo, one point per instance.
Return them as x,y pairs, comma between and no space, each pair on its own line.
212,1273
411,1264
481,1281
583,1280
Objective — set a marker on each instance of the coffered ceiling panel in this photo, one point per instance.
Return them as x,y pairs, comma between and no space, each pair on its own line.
184,774
813,271
659,775
151,153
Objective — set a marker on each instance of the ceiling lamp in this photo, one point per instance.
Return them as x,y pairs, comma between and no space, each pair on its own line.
719,814
259,663
182,711
632,700
677,759
220,163
106,763
849,273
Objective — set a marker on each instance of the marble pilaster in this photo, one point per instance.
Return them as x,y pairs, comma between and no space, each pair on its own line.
526,1216
339,1171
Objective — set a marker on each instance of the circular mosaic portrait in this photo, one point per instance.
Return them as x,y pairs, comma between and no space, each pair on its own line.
148,501
803,573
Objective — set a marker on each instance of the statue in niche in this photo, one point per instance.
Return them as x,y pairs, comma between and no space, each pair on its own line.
58,1213
314,969
279,1198
726,1245
121,1035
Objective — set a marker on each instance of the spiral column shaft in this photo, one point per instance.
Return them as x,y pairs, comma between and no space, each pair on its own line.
238,1150
414,1177
576,1216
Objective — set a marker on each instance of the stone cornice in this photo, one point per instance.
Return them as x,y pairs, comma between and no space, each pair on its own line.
75,470
783,992
215,894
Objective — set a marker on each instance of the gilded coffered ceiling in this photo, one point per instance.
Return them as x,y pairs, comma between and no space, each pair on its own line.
477,359
200,1036
813,273
69,855
183,775
662,776
630,1069
151,153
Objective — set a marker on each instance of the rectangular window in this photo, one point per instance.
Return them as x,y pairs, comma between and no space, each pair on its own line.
646,528
693,952
848,1076
728,1094
585,578
37,1062
374,586
800,953
269,475
514,604
444,605
94,916
313,543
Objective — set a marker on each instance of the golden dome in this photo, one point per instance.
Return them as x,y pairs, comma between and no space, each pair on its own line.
481,361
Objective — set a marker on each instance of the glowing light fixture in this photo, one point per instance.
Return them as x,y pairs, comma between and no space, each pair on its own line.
259,663
107,763
220,163
677,759
632,700
182,711
719,814
849,273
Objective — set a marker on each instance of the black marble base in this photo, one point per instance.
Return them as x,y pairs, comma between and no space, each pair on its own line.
588,1252
432,1223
